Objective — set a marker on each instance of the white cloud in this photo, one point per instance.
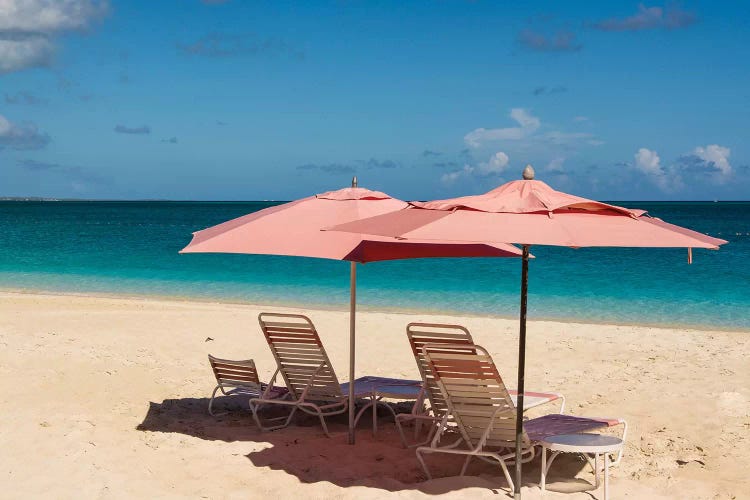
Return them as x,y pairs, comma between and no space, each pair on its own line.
451,177
496,164
716,156
18,53
648,162
579,119
528,124
47,16
27,25
21,136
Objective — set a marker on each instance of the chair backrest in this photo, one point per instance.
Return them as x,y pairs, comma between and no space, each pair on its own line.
299,353
475,394
234,373
421,334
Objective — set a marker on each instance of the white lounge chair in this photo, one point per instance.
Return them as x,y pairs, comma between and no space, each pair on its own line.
304,365
484,414
238,378
421,334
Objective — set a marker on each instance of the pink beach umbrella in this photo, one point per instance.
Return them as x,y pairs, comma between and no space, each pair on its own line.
295,229
529,212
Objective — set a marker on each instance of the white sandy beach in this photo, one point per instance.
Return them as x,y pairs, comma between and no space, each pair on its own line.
106,398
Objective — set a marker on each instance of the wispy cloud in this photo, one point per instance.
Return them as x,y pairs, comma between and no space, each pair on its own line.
445,164
23,136
80,178
329,168
649,18
562,41
494,166
349,168
530,137
373,163
171,140
28,28
558,89
24,97
123,129
219,45
428,153
527,125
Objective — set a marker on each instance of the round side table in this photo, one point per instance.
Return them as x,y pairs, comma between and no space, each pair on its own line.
584,444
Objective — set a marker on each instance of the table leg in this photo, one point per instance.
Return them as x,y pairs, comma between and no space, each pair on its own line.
544,469
606,476
596,470
374,414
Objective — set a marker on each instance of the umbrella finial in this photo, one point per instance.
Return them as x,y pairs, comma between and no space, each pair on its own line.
354,181
528,173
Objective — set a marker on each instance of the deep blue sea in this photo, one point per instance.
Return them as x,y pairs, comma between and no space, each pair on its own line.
131,248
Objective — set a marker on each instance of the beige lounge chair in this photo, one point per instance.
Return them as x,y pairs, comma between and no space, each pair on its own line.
483,413
421,334
304,365
237,378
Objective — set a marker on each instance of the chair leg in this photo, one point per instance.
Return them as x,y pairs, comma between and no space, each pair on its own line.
255,407
401,430
211,403
466,464
323,424
506,472
422,462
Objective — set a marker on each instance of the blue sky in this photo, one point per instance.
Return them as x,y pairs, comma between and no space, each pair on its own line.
426,99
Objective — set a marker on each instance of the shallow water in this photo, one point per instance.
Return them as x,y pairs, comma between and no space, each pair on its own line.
131,248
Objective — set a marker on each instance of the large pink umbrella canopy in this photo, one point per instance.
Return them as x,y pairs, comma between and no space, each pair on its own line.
530,212
295,229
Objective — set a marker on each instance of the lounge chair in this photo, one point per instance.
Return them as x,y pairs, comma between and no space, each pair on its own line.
238,378
304,365
483,412
421,334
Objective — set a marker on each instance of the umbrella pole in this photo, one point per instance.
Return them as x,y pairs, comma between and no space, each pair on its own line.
352,331
521,369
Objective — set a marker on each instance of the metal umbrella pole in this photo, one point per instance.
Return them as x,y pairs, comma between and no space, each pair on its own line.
352,335
521,369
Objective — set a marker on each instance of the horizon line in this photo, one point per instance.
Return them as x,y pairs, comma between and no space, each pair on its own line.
170,200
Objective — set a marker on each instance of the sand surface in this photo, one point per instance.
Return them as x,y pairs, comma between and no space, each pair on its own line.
106,397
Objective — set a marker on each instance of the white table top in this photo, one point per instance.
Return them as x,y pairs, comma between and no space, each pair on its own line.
583,443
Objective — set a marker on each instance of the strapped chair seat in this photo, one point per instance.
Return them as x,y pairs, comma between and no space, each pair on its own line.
238,378
422,334
483,413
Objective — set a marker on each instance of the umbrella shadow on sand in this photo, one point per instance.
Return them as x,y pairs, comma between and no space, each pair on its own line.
302,450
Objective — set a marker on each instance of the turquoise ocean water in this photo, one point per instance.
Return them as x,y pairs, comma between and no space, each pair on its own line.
131,248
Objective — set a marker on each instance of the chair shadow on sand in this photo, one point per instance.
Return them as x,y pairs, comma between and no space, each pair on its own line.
302,450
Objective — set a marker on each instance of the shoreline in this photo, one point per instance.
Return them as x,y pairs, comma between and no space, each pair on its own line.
367,309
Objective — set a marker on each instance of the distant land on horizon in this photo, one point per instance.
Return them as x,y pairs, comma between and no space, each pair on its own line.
166,200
